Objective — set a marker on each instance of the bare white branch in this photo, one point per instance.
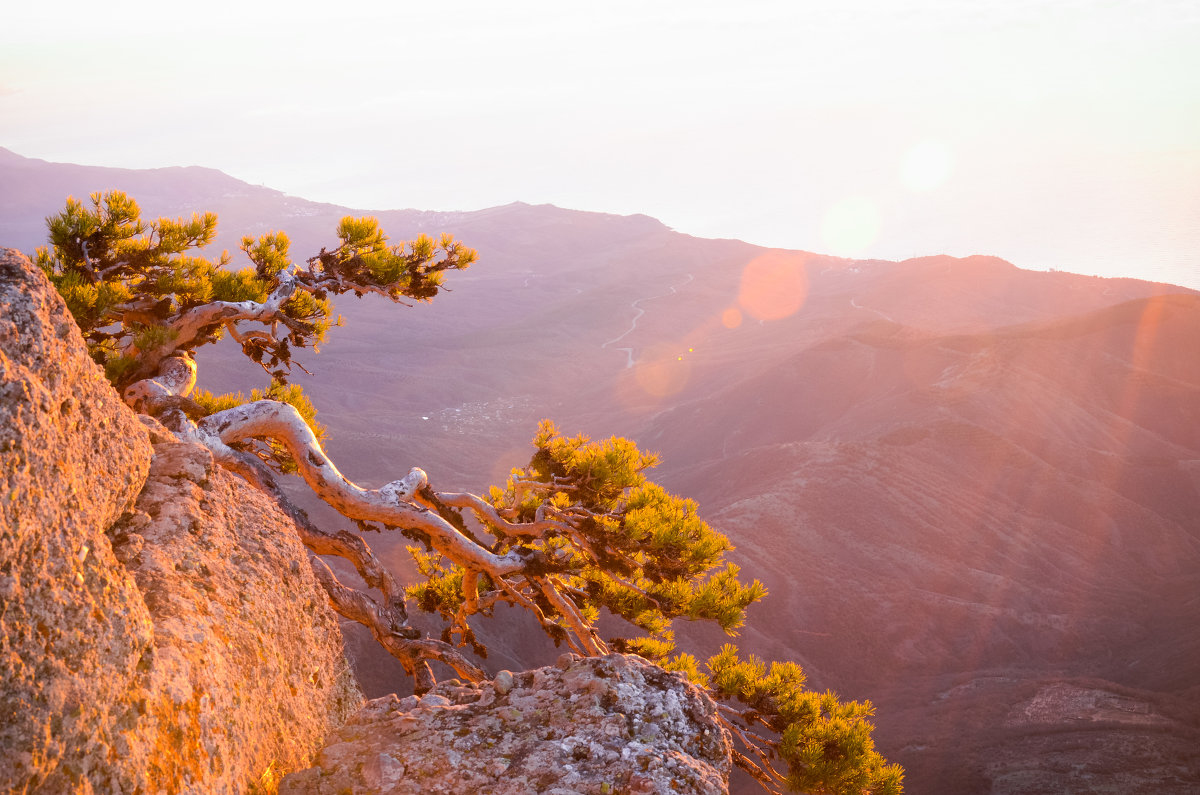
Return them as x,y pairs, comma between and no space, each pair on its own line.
271,419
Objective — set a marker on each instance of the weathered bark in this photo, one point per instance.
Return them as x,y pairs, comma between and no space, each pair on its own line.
488,514
387,620
175,380
412,652
390,616
186,330
761,757
521,576
392,505
398,504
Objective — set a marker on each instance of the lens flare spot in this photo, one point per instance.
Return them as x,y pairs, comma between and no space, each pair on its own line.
926,166
850,226
661,372
731,317
773,287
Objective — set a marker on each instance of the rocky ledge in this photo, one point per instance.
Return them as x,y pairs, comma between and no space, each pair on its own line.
161,630
593,726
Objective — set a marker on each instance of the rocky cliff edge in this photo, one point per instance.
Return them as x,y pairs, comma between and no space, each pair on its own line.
160,628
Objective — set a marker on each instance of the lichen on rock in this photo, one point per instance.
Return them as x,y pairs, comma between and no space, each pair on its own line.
597,726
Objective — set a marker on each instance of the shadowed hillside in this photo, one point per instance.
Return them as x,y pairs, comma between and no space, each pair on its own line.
1016,506
971,489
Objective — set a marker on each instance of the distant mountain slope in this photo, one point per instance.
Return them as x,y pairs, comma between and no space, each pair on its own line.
972,489
1020,504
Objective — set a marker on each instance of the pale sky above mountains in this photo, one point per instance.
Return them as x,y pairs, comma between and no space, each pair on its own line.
1057,134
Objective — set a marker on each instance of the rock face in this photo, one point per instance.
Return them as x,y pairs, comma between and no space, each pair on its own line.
614,724
245,673
72,623
160,628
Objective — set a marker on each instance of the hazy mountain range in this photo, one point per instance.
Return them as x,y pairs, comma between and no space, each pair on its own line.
972,490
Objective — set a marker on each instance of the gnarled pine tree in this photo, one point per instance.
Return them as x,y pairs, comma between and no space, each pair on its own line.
578,531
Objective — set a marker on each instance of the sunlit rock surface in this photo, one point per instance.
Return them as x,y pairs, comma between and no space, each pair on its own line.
246,672
160,629
600,725
72,623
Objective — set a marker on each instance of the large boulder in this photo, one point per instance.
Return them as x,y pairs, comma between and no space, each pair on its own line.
160,627
592,726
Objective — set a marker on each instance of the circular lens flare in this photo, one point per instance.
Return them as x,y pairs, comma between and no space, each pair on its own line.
774,286
661,371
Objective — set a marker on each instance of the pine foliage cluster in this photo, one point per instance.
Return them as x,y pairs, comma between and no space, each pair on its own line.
130,283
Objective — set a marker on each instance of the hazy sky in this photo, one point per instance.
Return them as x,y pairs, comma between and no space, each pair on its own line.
1055,134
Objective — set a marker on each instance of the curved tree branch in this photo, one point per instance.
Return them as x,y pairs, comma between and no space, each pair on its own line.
174,382
188,328
488,514
390,505
388,621
412,652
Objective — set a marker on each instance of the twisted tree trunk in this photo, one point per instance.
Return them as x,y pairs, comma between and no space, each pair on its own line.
166,397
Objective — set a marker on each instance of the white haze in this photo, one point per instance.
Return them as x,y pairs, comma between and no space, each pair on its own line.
1054,134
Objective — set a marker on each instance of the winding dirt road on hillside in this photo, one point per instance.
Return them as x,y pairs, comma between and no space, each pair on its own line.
637,308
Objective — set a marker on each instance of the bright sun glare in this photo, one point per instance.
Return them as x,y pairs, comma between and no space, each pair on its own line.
926,166
850,226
